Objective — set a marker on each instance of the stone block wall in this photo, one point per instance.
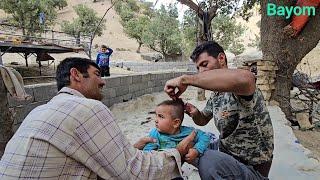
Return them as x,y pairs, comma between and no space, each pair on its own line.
265,72
155,66
266,77
118,89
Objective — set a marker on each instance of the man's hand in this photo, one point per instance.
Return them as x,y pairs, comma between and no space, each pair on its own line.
171,85
143,141
187,143
191,110
192,154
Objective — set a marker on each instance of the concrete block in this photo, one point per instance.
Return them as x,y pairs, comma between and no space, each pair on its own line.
133,88
145,78
167,76
134,95
160,76
143,86
113,82
139,93
171,75
158,89
115,101
136,79
151,84
153,77
163,82
43,93
177,74
122,90
126,80
149,90
126,97
109,93
158,83
106,102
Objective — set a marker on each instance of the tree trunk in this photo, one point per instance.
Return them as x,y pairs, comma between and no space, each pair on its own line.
6,121
78,38
287,52
139,48
204,33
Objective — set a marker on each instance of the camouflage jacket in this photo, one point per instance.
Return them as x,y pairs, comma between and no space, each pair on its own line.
245,126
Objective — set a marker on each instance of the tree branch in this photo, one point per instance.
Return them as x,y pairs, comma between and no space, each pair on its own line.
212,12
193,6
309,37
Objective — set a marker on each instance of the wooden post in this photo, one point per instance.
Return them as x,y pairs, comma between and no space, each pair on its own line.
26,58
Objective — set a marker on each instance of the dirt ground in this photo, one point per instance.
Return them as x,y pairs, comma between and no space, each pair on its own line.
310,140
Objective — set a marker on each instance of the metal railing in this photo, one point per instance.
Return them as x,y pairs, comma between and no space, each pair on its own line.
10,33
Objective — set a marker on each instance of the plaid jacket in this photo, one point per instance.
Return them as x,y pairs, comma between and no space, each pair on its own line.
72,137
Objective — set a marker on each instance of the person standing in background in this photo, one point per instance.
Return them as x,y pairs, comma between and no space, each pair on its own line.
103,59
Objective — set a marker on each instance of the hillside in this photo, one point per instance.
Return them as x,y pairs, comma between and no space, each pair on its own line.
113,35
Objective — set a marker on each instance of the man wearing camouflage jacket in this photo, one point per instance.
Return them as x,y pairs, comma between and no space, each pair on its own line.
239,113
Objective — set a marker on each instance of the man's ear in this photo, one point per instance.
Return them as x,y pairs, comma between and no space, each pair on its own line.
222,59
75,75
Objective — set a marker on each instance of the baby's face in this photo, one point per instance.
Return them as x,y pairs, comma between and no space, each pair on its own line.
164,121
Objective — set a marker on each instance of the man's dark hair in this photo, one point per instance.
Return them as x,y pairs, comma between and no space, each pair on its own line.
103,46
63,69
178,108
211,47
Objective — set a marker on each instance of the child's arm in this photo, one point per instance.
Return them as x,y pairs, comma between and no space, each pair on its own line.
97,60
152,146
110,51
202,141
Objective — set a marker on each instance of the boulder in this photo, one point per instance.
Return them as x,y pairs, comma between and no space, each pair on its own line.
153,57
250,55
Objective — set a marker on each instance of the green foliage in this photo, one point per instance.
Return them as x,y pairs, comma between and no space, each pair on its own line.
158,29
189,31
126,13
256,42
132,4
163,34
25,13
226,31
85,24
247,6
146,8
137,27
134,23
